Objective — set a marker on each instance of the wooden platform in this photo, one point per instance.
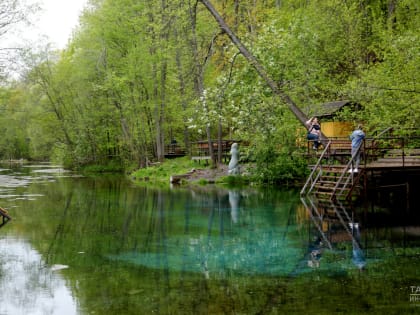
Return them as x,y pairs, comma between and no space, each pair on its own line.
332,177
397,162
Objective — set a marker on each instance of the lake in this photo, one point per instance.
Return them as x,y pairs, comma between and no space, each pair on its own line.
104,245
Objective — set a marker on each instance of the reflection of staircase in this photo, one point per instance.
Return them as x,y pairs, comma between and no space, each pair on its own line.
331,218
317,219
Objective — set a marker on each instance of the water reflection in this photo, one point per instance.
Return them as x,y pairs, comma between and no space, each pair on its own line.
358,258
28,286
105,246
334,222
234,202
219,236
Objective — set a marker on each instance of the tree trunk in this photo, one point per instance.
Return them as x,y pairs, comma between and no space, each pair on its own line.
219,142
182,92
255,63
198,77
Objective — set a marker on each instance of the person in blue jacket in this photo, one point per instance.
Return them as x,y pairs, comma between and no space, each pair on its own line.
356,137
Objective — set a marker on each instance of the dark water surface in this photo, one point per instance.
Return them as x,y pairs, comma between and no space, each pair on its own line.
79,245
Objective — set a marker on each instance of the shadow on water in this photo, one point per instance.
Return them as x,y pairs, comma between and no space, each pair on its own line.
111,247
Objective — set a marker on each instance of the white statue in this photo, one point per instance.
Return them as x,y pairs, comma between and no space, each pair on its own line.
234,161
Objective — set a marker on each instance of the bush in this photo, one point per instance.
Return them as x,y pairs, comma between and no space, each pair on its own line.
284,166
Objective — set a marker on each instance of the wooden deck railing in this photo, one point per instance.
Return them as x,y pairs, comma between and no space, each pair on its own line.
371,149
200,149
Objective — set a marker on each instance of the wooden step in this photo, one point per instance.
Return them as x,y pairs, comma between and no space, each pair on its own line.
329,195
324,194
345,204
331,187
326,182
333,168
332,179
329,183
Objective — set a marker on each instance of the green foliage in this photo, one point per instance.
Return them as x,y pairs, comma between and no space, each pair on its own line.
390,89
235,181
137,74
281,166
202,181
277,157
14,140
111,167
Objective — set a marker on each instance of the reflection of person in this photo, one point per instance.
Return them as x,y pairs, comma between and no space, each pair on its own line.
314,131
314,258
356,137
358,256
315,253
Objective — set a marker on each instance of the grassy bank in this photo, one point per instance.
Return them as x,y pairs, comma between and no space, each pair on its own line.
198,173
162,172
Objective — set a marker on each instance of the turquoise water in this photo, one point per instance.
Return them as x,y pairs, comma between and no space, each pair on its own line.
102,245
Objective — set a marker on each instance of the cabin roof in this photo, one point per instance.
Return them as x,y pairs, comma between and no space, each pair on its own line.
327,110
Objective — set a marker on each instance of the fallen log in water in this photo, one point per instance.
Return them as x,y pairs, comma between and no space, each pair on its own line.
175,179
4,213
5,216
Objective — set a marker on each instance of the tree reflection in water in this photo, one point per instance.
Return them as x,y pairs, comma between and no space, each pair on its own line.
211,250
219,236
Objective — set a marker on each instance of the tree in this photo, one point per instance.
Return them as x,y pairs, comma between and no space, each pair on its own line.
256,64
12,13
139,72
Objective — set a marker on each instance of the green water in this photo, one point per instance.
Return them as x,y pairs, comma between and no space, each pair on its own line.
79,245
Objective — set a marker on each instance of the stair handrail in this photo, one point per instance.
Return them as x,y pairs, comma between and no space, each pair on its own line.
355,242
377,137
311,178
315,209
346,169
350,165
381,133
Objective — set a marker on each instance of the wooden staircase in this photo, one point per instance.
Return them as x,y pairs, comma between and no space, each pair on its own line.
336,182
332,181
